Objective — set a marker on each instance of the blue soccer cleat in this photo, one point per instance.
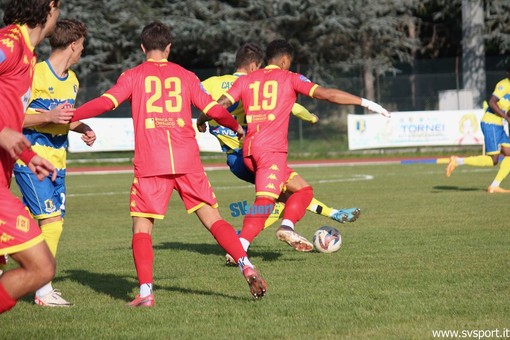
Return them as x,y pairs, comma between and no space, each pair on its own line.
346,215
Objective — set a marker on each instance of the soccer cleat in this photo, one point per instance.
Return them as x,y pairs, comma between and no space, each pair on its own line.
257,284
229,261
296,241
147,301
52,299
451,165
497,190
346,215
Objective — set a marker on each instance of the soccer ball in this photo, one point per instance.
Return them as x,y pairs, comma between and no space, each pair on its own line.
327,239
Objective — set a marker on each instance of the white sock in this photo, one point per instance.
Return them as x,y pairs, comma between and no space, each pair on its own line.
243,262
145,289
460,161
44,290
244,243
288,223
495,184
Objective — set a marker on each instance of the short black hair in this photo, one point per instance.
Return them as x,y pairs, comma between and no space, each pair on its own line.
28,12
249,53
278,48
156,36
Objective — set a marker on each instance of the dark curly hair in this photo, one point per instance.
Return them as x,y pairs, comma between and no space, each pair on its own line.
277,48
28,12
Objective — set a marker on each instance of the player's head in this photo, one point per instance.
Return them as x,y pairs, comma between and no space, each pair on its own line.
249,57
156,36
70,34
280,52
33,13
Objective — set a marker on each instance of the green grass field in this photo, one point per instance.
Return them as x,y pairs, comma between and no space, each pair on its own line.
428,253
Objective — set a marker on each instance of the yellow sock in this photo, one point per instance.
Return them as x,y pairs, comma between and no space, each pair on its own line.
479,161
320,208
504,170
275,215
51,233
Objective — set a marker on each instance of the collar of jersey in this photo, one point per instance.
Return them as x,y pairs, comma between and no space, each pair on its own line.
238,74
158,61
272,66
24,31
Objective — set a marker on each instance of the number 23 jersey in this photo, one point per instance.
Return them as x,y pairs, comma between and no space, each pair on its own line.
161,94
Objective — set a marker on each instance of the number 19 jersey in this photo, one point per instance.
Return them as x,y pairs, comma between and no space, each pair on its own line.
268,96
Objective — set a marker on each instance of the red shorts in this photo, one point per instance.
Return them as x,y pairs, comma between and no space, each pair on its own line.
271,172
18,231
150,195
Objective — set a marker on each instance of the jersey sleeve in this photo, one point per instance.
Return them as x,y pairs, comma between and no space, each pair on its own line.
501,90
303,85
302,113
234,93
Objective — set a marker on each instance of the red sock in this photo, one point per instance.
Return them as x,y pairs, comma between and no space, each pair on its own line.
143,254
6,301
296,205
254,220
227,238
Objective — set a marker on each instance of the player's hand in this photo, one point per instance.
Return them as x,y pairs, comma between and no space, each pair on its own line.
42,168
61,114
89,137
240,132
13,142
315,119
374,107
201,127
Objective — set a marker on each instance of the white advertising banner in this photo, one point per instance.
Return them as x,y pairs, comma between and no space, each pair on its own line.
415,128
117,134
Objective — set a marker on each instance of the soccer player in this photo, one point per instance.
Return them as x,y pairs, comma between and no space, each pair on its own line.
27,24
267,96
46,128
496,140
167,155
249,58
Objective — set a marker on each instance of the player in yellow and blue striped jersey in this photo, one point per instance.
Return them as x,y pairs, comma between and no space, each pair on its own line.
46,126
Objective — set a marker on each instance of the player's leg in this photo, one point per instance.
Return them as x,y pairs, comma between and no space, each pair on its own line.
198,197
21,239
149,199
295,209
504,168
491,157
46,202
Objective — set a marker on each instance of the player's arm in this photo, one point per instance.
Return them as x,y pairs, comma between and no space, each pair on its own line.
302,113
344,98
493,104
201,120
61,114
88,136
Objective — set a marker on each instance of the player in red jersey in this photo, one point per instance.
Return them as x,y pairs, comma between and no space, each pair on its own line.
28,23
267,96
166,153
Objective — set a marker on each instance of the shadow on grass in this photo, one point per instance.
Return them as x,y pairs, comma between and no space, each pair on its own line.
119,287
213,249
454,188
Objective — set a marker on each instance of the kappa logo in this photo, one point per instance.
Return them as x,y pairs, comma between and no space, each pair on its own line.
272,177
274,167
270,186
133,203
23,224
4,238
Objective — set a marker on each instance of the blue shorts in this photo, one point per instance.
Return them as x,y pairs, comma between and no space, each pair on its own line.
43,198
494,136
235,162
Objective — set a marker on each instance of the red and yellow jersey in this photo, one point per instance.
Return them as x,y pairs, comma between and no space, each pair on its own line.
502,92
17,61
161,94
268,96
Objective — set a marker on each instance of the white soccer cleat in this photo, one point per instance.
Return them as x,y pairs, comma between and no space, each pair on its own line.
52,299
293,239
